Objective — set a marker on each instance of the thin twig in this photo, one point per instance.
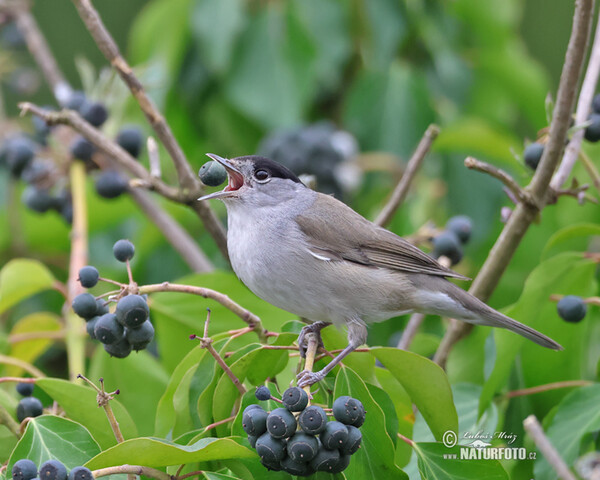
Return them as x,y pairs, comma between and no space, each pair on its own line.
312,345
520,194
524,214
547,387
534,429
588,89
10,423
386,214
133,470
591,169
18,379
250,318
5,359
25,337
153,157
103,398
412,327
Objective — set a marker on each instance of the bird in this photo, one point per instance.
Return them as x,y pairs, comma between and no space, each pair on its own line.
312,255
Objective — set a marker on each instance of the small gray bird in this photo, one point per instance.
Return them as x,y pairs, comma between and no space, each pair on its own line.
312,255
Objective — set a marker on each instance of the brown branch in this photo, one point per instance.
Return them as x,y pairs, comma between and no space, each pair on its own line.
524,214
246,315
534,429
547,387
153,157
414,323
133,470
386,214
5,359
519,193
18,379
177,236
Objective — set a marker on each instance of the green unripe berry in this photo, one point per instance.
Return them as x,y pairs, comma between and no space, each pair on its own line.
270,449
291,466
123,250
302,447
348,410
281,423
325,460
85,305
140,337
254,421
263,393
120,349
334,436
108,330
295,399
352,444
88,276
571,308
81,473
53,470
24,469
313,420
212,174
132,311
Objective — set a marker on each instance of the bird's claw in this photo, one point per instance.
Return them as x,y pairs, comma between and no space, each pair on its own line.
312,328
306,378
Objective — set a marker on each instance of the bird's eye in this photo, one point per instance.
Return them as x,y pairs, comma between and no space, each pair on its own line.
261,175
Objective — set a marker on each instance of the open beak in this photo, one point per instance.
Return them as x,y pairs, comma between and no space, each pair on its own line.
236,179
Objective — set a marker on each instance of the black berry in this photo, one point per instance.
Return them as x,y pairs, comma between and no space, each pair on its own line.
81,473
571,308
76,100
123,250
36,171
88,276
281,423
353,443
270,449
37,199
85,305
29,407
263,393
130,138
252,439
313,420
94,112
90,325
533,154
82,149
101,307
254,421
461,226
53,470
302,447
295,399
348,410
325,460
111,184
334,436
291,466
132,311
140,337
25,389
341,465
108,330
120,349
20,151
448,245
24,469
212,174
592,131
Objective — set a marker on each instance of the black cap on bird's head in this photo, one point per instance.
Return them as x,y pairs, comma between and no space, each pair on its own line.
249,170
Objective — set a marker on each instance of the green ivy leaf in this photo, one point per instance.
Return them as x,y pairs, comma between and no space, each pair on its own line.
21,278
575,416
48,437
154,452
433,465
79,403
427,385
573,238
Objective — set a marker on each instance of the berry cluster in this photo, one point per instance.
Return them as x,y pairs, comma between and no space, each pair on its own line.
29,406
128,327
316,149
450,242
299,439
571,308
25,469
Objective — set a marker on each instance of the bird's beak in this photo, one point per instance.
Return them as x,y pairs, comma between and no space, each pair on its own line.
236,179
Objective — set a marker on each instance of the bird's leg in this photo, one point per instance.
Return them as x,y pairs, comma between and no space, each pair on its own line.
357,335
312,328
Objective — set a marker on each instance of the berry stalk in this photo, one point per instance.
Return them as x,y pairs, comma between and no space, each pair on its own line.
311,351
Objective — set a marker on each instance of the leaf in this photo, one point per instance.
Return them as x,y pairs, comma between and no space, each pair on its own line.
434,466
576,415
154,452
427,385
21,278
30,350
375,458
48,437
7,443
79,403
573,238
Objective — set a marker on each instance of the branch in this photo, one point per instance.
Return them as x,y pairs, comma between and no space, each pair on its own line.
524,214
547,387
10,423
309,362
414,323
5,359
246,315
588,89
520,194
177,236
385,216
533,427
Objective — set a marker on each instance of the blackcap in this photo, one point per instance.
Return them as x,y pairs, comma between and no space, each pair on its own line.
312,255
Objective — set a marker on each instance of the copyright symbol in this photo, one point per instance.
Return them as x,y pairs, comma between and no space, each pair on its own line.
449,439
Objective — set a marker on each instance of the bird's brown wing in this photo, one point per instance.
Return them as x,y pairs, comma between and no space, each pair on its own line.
335,231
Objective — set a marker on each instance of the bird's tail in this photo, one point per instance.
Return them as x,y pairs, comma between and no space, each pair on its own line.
459,304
